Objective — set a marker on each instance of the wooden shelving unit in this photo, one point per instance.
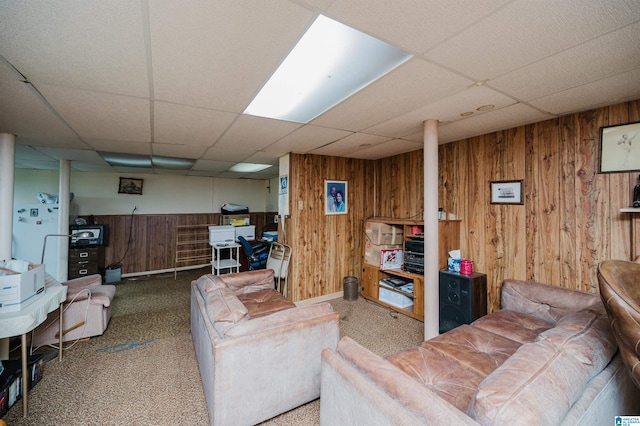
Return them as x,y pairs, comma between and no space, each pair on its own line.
192,246
448,238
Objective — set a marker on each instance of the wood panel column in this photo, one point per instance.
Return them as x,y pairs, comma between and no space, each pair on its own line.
430,216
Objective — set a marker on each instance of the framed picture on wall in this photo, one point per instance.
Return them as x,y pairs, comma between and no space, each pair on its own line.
506,192
130,186
336,198
620,148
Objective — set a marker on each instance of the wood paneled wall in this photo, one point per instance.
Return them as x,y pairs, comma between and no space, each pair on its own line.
570,220
145,243
326,248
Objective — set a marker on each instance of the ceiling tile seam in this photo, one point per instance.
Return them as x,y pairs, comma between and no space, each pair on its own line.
146,36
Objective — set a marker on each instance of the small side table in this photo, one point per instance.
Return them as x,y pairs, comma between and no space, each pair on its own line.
230,264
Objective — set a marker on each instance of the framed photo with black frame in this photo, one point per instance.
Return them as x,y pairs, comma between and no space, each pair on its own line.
130,186
336,198
507,191
620,148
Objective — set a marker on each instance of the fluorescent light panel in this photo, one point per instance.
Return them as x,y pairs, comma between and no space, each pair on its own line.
145,161
249,167
330,63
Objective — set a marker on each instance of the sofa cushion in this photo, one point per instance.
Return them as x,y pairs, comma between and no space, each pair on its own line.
279,319
474,349
208,283
544,301
264,302
224,307
435,371
542,380
518,326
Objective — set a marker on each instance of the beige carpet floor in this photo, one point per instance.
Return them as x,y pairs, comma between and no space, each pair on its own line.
143,369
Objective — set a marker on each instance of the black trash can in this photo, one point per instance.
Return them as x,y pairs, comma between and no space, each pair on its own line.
350,288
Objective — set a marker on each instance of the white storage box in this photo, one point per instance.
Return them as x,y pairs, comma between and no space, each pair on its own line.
222,234
394,298
20,290
248,232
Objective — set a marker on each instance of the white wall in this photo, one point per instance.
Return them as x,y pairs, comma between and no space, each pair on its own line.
97,193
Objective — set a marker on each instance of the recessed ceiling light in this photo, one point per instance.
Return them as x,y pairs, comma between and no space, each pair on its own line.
466,114
330,63
249,167
485,107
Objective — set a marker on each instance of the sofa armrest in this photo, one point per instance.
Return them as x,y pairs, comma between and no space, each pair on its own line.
84,282
544,301
356,383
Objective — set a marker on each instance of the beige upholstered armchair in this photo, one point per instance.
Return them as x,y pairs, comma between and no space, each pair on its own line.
87,312
620,292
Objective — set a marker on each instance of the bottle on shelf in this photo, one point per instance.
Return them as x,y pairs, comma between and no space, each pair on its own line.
636,194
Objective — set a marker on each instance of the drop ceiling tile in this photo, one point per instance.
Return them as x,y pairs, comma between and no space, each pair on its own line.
134,171
125,147
413,25
37,164
614,53
505,118
387,149
408,87
7,72
444,110
526,31
97,115
305,139
350,144
27,116
250,132
94,44
185,125
54,142
261,157
179,151
211,165
72,154
220,154
207,54
623,87
91,167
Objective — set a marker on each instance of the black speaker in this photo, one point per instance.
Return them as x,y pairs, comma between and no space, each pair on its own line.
463,299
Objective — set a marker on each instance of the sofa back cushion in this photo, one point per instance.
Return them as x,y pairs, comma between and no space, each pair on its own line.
224,309
542,380
544,301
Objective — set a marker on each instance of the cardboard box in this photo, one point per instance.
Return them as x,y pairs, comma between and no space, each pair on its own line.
372,252
394,298
383,233
18,291
223,234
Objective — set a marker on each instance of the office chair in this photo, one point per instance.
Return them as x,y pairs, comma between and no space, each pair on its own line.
256,255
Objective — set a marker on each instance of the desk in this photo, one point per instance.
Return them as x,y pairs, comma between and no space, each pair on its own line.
20,323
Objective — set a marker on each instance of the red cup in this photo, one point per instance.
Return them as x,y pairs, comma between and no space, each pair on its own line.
466,267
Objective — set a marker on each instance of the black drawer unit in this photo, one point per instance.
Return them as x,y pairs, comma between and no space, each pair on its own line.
85,261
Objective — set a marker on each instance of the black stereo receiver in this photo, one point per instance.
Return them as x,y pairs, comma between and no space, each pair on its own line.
415,246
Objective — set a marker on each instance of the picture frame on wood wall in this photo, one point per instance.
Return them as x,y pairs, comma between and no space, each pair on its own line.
335,193
507,191
620,148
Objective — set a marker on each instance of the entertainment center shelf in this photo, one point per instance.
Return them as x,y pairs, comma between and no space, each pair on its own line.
403,230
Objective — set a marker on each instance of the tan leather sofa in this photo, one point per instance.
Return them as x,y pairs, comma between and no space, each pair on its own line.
258,354
86,312
620,292
547,358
